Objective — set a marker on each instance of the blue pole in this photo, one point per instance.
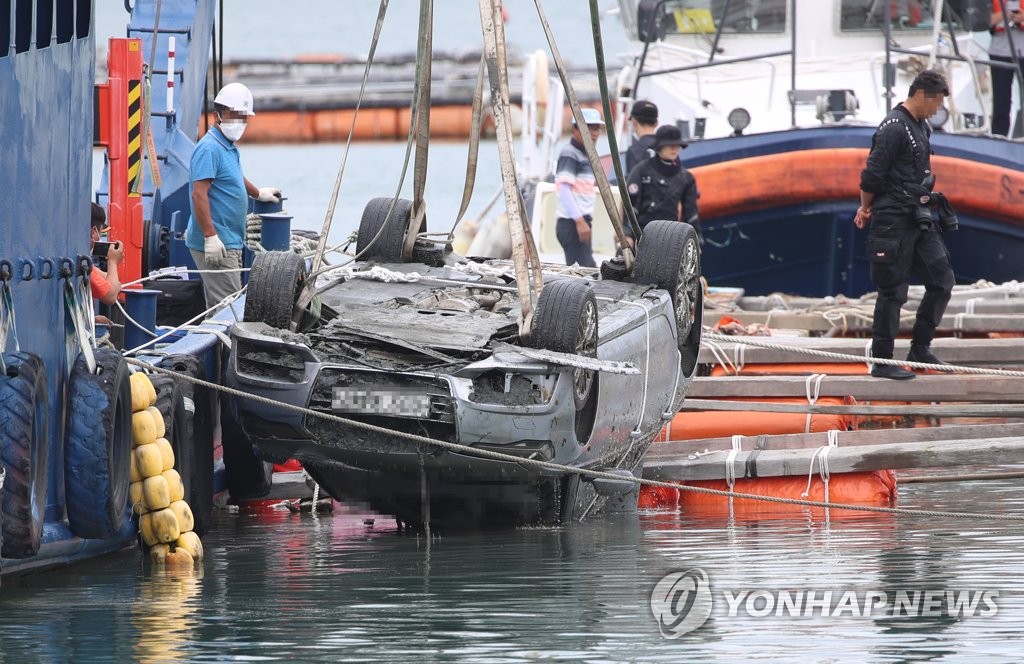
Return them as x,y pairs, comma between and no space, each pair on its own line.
141,307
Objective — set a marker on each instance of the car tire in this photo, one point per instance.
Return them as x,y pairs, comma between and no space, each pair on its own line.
274,283
382,242
24,448
668,256
566,322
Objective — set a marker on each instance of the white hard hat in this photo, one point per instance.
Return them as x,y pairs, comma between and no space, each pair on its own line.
236,97
591,116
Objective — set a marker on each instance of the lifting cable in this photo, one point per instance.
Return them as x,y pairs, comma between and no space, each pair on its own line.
474,146
529,278
560,468
595,161
613,146
421,123
318,257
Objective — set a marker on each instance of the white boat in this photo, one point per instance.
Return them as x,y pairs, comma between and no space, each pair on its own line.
779,100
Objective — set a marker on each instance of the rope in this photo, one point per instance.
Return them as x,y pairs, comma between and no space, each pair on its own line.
647,358
187,324
822,454
847,357
812,387
550,466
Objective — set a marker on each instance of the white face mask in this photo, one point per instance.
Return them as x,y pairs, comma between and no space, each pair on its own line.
233,129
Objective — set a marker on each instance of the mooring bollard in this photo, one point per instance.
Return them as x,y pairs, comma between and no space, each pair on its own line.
140,304
277,231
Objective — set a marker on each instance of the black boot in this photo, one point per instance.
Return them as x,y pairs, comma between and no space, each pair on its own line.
922,354
891,371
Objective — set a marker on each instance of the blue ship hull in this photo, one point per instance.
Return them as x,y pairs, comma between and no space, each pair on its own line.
46,129
813,248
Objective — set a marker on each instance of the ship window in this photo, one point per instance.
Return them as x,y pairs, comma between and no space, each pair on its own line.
65,21
744,16
904,15
83,18
5,28
44,22
22,25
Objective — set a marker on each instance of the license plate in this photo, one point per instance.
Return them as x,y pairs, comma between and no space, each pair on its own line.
395,402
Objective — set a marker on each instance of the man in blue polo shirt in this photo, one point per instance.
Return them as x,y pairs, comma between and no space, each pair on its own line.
220,196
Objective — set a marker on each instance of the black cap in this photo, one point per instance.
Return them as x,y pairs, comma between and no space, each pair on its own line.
645,111
668,135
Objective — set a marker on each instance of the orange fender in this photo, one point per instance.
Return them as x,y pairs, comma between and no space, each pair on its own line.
757,183
867,488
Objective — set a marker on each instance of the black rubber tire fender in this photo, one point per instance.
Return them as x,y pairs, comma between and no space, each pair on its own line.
192,434
98,445
384,246
274,283
668,256
24,449
566,321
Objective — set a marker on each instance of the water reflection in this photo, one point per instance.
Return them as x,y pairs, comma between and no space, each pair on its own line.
331,587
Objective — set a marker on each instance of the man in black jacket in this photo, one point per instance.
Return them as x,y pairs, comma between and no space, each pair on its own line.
644,119
903,240
660,188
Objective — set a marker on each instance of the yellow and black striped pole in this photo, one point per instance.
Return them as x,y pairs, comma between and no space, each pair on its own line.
134,137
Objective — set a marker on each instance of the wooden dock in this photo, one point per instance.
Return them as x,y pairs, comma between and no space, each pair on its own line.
776,456
802,327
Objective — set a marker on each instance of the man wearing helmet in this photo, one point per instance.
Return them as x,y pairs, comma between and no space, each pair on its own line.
219,192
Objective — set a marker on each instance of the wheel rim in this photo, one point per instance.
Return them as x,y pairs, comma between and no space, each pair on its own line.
687,290
586,344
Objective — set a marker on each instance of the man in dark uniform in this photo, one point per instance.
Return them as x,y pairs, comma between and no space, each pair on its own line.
903,241
660,188
644,119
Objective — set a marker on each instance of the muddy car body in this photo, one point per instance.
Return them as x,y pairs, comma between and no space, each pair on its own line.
435,350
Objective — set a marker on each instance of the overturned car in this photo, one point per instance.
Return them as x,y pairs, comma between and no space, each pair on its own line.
432,348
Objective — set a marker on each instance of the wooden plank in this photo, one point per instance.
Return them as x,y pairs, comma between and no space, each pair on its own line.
816,322
678,449
961,387
1001,410
806,305
779,463
968,352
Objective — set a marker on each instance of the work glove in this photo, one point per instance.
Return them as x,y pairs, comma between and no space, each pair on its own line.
214,252
269,195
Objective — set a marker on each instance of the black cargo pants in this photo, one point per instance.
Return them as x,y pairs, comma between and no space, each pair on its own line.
898,250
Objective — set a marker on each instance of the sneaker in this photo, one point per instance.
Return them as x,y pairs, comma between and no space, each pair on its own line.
922,354
891,371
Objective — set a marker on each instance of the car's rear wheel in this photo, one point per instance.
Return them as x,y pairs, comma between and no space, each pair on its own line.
381,237
275,280
668,256
566,322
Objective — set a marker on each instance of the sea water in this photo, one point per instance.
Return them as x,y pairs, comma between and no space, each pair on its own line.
339,587
349,587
